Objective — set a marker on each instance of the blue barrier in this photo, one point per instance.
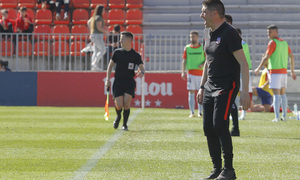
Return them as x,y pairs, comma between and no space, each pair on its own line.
18,88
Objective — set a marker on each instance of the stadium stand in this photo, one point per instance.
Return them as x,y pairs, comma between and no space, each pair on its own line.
9,4
135,29
81,4
31,14
94,3
62,20
111,28
60,48
79,32
116,4
41,49
27,3
12,14
134,4
61,32
42,32
7,48
134,16
76,48
24,48
43,16
80,16
116,16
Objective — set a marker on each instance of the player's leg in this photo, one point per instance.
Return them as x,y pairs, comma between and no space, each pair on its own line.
118,106
191,96
283,97
275,86
127,102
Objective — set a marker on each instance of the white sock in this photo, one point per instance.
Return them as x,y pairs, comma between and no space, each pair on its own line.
284,105
276,102
192,102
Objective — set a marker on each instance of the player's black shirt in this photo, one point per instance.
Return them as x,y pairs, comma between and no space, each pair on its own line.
222,67
126,62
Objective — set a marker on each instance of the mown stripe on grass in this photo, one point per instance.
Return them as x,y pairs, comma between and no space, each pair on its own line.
89,165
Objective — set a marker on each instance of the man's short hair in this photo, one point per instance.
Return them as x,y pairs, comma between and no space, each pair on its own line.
194,32
272,26
239,31
23,8
228,18
117,28
127,34
215,5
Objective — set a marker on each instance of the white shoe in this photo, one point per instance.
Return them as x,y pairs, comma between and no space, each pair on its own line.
242,118
66,17
275,120
199,114
191,115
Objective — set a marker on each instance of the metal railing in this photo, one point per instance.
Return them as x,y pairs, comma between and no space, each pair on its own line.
160,52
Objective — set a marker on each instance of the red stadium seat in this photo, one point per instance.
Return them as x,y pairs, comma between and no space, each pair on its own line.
76,48
42,32
135,29
7,48
80,32
8,4
81,3
27,3
31,14
80,16
12,14
61,30
41,49
60,48
24,48
43,16
116,16
134,4
62,20
134,16
94,3
116,4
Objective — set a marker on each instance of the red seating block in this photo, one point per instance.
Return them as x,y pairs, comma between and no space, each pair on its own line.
80,16
116,16
116,4
76,48
43,16
134,16
134,4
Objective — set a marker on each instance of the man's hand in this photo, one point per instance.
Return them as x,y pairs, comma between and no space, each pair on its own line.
107,83
140,74
245,100
200,96
256,71
293,74
183,75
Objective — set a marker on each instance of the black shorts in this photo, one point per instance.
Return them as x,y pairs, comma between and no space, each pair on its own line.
122,86
216,110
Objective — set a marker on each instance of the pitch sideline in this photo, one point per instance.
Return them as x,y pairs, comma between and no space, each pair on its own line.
90,164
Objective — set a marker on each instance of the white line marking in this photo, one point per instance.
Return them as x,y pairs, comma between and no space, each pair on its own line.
90,164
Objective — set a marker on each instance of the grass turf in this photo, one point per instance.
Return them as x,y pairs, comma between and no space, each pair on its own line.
58,143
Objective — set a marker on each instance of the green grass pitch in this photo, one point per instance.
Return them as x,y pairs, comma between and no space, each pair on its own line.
77,143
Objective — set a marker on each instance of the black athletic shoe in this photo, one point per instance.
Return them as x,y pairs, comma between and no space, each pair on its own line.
227,174
125,128
214,174
116,122
235,132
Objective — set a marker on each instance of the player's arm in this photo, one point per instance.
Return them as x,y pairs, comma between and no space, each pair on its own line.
245,97
203,81
264,85
262,63
292,61
183,64
141,73
108,73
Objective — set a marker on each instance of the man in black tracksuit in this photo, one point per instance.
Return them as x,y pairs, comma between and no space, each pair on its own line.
126,59
220,84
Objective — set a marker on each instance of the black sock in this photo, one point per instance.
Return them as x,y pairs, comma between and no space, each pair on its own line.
118,114
125,116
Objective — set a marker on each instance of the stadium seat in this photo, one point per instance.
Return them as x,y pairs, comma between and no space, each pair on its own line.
116,16
42,32
31,14
60,48
94,3
134,16
8,4
24,48
43,16
79,32
116,4
61,15
12,14
7,48
134,4
27,3
80,16
135,29
81,3
41,49
76,47
61,30
111,28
